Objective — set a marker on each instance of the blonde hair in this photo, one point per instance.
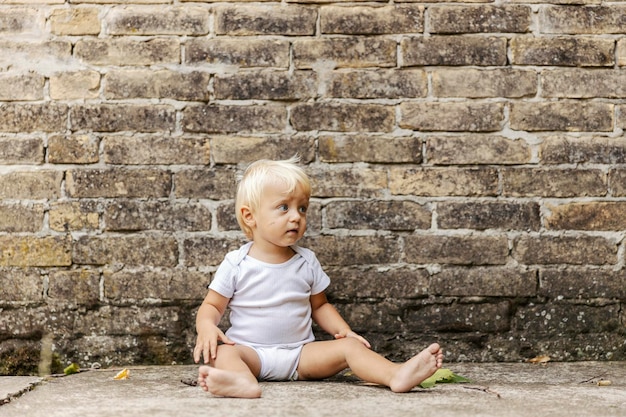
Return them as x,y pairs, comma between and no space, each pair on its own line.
260,173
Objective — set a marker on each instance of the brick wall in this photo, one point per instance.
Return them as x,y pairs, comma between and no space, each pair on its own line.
468,161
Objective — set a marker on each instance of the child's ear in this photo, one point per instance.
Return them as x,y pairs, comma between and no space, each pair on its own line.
247,216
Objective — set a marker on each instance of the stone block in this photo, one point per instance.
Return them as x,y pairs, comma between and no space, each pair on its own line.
21,150
22,55
348,182
162,84
563,51
215,183
363,20
484,215
121,117
31,185
484,282
345,52
439,182
456,250
150,250
596,215
127,52
348,283
76,21
366,148
156,150
131,215
21,87
251,53
75,287
161,285
584,19
208,251
343,117
250,20
562,183
73,149
480,19
75,85
23,285
483,83
19,218
74,216
570,249
380,215
118,182
582,283
21,21
226,219
452,116
617,182
31,250
583,150
238,149
453,51
133,320
561,318
353,250
486,317
621,52
21,118
166,20
266,85
234,118
477,149
570,116
368,84
583,83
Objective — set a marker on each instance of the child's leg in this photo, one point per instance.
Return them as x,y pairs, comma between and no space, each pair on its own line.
324,359
232,373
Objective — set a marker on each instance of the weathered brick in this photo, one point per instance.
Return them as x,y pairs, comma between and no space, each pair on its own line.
563,51
249,20
234,119
580,150
476,149
237,149
208,251
80,287
118,182
170,284
215,183
571,116
35,185
21,21
361,20
20,284
443,181
349,52
133,320
343,117
144,83
453,51
617,182
621,52
583,83
75,85
365,84
486,317
167,20
353,250
577,283
582,19
156,150
587,216
120,117
482,215
18,87
348,182
20,150
151,250
73,216
20,218
484,282
130,215
357,148
452,116
251,53
574,250
124,52
564,318
31,55
476,83
75,21
266,85
378,215
49,117
25,251
477,19
226,219
456,250
527,182
73,149
348,283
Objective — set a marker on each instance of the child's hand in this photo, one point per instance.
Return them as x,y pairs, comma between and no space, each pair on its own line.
207,341
350,333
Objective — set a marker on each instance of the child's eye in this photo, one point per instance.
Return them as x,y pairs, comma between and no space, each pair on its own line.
283,207
303,209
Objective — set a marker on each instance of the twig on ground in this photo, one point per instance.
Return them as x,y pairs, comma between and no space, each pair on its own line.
483,389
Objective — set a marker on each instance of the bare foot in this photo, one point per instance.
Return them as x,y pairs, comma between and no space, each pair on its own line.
417,369
228,383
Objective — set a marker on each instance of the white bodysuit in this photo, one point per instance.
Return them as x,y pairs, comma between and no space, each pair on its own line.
270,308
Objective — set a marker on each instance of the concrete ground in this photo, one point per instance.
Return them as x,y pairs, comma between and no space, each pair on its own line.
497,389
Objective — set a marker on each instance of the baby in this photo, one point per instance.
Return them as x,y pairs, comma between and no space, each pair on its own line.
275,290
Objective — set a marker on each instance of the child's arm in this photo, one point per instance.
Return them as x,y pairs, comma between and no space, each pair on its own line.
329,319
207,319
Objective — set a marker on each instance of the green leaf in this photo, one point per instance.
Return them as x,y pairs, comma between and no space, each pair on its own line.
442,376
71,369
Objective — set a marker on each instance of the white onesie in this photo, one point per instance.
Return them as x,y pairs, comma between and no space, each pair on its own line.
270,303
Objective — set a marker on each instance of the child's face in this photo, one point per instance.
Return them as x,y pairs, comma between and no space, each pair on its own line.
280,219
